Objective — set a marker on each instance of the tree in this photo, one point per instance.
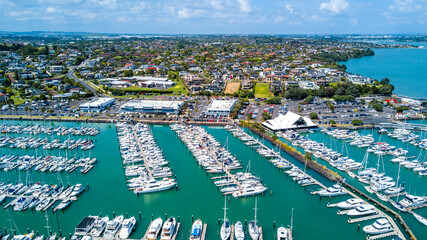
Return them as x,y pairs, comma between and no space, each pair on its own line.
357,122
266,115
332,121
274,100
385,81
313,115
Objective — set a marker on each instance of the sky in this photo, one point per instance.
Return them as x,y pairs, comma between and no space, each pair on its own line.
216,16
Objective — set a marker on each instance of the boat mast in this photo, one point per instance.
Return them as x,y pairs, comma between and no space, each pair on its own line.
225,208
292,218
255,209
47,222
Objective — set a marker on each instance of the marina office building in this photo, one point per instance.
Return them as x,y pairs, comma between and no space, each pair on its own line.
289,121
153,107
220,108
97,105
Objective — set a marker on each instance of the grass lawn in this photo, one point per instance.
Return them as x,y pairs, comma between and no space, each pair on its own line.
17,100
262,91
179,88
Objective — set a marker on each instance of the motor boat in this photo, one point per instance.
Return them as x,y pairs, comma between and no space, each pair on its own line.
350,203
127,227
169,228
196,230
380,226
239,231
282,234
154,229
362,210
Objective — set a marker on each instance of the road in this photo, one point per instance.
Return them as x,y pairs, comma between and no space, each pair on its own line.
71,74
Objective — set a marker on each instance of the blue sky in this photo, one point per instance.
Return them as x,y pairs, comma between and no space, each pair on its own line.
216,16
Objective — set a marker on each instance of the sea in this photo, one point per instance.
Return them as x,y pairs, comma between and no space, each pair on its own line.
196,196
405,67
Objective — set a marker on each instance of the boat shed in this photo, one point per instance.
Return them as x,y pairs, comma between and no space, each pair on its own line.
97,105
220,108
85,226
289,121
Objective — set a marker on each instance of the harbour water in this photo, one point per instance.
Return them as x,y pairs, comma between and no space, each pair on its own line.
405,67
196,195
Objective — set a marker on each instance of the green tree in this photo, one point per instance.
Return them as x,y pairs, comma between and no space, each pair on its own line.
357,122
313,115
266,115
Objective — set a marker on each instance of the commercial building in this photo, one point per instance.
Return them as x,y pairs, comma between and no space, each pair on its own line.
153,107
289,121
220,108
97,105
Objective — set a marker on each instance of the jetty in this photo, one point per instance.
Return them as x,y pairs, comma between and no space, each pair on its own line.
144,158
205,229
146,232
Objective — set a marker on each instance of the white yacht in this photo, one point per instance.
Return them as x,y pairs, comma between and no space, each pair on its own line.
153,185
225,230
420,218
77,190
350,203
169,228
196,230
113,227
412,201
335,190
64,203
99,226
362,210
239,231
127,227
282,234
380,226
154,229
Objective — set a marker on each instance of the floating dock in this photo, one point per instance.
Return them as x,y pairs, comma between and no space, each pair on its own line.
205,229
176,231
146,232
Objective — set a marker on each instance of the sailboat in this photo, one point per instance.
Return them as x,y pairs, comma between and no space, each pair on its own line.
253,227
226,227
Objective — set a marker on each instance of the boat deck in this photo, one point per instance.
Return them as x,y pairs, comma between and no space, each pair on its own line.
55,199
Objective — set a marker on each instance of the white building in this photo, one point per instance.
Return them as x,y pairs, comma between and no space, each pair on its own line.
220,108
56,69
289,121
97,105
153,107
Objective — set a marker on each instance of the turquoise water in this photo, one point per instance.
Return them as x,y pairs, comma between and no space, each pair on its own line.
414,183
406,69
196,194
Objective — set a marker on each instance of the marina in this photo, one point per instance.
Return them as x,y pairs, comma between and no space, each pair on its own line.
275,205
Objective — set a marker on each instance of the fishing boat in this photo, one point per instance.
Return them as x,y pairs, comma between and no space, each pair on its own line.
239,231
196,230
380,226
154,229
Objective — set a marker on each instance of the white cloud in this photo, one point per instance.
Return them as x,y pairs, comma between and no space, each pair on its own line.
405,6
189,13
334,6
51,10
289,8
279,19
217,5
245,6
354,21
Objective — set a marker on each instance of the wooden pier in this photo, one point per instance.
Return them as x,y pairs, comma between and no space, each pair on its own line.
289,233
204,230
261,236
176,231
232,232
384,235
146,232
355,220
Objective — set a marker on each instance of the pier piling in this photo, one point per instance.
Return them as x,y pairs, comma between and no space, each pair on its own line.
358,227
274,224
60,232
192,218
28,230
219,222
166,216
114,214
139,215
